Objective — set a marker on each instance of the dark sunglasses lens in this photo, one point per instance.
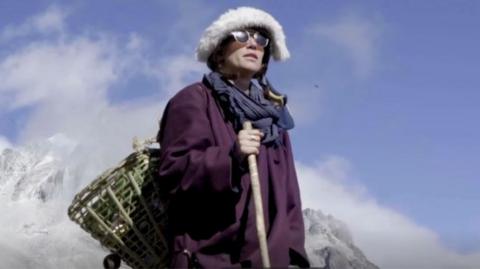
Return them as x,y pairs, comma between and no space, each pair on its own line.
261,39
240,36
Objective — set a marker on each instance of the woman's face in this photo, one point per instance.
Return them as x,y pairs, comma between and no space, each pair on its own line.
243,59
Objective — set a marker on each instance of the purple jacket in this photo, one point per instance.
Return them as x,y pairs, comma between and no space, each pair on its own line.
212,217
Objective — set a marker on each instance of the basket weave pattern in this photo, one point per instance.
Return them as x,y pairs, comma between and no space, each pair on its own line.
125,210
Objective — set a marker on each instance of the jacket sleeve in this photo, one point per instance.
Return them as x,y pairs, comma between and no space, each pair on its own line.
189,159
297,251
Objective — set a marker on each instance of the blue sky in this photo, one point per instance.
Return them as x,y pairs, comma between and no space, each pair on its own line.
390,88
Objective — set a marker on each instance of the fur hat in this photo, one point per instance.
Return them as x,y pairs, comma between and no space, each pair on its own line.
242,17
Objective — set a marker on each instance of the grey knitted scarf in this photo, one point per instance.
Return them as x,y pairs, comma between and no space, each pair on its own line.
271,120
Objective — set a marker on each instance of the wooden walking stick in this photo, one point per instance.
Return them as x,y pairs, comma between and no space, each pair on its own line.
257,199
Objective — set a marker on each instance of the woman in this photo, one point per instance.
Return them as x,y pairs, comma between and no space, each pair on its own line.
204,149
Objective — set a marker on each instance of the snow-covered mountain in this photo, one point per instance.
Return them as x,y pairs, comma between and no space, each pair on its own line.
35,190
37,184
35,172
329,243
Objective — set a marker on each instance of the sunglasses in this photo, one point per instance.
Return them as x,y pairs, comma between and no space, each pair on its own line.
242,36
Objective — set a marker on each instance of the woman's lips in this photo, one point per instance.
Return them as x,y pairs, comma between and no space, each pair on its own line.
251,55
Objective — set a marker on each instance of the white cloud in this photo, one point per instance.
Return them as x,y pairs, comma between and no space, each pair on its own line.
388,238
357,36
52,20
58,71
66,79
69,92
175,71
135,42
67,82
4,143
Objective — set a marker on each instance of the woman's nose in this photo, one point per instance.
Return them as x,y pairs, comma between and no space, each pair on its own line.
251,43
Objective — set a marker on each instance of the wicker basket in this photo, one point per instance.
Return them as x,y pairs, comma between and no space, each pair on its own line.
125,210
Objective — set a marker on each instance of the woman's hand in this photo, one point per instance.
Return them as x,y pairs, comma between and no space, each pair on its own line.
248,142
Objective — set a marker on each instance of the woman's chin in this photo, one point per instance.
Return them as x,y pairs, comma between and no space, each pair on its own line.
249,69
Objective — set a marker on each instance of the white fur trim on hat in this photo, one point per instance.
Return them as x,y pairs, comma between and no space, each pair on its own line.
239,18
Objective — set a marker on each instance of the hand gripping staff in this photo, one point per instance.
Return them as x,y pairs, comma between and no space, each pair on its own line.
257,199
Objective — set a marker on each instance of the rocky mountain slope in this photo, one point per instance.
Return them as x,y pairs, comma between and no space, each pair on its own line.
329,243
